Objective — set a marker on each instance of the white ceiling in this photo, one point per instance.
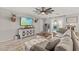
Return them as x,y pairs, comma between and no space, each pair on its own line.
59,11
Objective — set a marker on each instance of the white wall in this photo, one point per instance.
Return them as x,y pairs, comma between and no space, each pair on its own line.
7,28
38,26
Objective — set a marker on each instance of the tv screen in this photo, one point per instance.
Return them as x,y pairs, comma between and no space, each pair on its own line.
26,21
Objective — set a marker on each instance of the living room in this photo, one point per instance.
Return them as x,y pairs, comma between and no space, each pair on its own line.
44,20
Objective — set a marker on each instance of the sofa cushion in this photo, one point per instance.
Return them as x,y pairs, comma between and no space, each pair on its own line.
75,41
65,44
77,33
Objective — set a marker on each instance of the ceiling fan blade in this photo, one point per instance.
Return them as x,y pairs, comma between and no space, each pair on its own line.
49,12
52,10
48,9
43,9
37,9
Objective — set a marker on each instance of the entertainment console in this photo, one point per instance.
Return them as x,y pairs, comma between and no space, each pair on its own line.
25,32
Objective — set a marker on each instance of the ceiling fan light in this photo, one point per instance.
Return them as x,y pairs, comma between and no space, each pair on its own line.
42,13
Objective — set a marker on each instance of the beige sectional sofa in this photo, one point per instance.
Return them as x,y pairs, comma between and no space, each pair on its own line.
68,42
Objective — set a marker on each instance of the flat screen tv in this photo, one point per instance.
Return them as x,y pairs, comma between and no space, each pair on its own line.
26,21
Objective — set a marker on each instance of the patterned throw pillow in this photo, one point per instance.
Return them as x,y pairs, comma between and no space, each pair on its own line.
51,45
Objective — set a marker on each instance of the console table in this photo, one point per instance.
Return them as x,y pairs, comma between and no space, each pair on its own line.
25,32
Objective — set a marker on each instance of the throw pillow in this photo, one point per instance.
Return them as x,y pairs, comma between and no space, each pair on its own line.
51,45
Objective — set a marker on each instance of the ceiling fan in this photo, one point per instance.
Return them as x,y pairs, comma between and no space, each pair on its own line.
44,10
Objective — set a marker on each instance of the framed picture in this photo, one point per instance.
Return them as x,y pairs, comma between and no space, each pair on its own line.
72,19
